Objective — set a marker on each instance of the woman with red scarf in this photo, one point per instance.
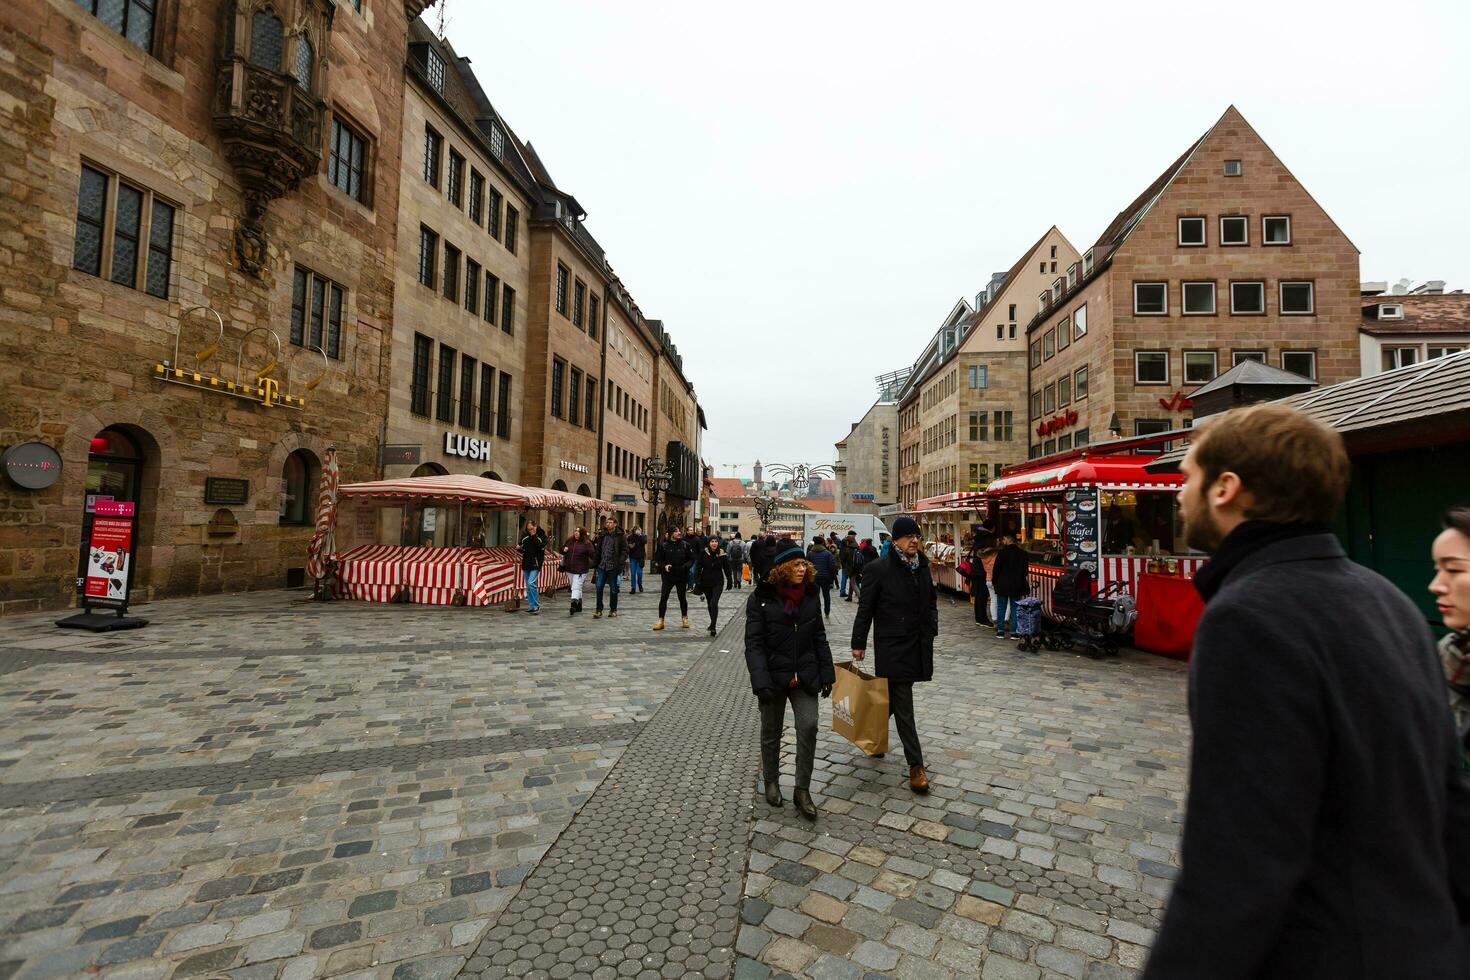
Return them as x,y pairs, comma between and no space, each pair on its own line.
788,657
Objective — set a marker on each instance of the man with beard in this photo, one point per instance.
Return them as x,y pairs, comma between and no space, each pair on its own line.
1325,834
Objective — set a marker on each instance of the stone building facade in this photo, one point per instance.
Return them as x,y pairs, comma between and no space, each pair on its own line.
867,469
1226,256
221,155
676,422
629,358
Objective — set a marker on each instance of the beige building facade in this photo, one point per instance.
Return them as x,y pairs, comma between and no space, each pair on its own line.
630,355
867,469
1225,257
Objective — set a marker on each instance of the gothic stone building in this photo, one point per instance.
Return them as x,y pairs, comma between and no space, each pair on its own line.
199,222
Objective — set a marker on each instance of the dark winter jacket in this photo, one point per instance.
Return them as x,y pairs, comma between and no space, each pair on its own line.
844,557
736,551
902,608
673,553
762,553
619,551
825,563
711,573
778,647
533,550
1325,834
1010,575
636,546
580,556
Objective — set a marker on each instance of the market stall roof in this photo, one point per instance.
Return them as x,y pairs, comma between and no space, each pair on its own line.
965,500
1107,473
480,490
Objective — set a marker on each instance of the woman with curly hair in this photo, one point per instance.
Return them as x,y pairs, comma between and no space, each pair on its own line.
788,657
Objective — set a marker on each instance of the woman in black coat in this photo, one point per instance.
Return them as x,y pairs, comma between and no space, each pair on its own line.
671,561
982,543
788,657
714,569
1012,581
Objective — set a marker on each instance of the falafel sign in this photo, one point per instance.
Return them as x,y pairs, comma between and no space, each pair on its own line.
1080,524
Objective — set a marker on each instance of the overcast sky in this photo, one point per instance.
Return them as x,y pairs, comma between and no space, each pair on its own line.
801,191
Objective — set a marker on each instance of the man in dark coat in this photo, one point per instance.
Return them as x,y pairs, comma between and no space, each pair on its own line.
897,599
844,561
611,552
533,554
637,554
826,565
1010,575
1326,830
736,552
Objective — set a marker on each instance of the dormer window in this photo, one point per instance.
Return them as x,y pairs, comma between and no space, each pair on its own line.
434,70
1390,311
497,141
1071,275
1087,262
1044,299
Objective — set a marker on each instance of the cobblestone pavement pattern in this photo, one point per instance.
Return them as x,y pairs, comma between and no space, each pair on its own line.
258,788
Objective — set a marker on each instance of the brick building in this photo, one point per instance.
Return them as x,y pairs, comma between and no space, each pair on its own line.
630,356
1224,257
676,432
1404,325
231,155
460,297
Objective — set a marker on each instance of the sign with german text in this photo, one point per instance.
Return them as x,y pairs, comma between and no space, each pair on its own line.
109,553
226,490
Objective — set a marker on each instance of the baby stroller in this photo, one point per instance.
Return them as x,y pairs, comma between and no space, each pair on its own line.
1079,619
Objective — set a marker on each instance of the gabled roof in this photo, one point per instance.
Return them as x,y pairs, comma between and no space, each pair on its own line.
1251,373
1414,393
726,487
1423,313
1128,218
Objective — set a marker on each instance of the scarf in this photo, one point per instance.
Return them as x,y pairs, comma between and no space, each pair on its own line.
912,563
791,596
1247,539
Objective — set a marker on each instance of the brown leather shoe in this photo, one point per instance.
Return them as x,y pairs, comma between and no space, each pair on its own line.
918,779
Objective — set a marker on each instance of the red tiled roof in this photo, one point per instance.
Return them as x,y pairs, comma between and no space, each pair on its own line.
725,487
1423,313
822,505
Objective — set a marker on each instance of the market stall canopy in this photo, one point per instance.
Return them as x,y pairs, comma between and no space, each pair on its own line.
962,501
479,490
1118,473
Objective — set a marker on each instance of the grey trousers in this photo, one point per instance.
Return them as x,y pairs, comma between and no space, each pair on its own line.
773,723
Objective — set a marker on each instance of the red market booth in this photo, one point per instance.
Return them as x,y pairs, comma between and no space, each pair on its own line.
1099,509
441,559
944,521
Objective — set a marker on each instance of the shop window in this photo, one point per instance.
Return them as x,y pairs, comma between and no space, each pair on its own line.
298,478
1150,298
1141,522
140,248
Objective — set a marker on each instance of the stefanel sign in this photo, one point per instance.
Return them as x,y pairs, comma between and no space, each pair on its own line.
1057,422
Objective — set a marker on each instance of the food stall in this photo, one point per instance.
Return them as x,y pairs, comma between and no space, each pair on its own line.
456,568
1099,509
944,521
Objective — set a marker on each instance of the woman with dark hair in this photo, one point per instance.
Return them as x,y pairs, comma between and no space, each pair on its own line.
1451,588
788,657
578,556
714,569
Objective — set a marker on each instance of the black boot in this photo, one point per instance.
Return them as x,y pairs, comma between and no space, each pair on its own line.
773,794
804,805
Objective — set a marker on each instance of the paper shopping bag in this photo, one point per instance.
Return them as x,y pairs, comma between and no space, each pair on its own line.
860,709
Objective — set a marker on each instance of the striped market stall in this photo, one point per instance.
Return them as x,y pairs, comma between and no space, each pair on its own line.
459,574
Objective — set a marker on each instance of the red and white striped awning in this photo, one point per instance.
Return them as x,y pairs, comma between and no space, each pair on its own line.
965,500
1125,473
478,490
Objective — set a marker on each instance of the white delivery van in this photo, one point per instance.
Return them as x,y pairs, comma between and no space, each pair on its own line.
866,526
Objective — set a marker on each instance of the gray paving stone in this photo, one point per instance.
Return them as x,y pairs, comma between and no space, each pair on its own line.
875,955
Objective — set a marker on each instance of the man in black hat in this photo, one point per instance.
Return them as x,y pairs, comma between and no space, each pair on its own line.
897,599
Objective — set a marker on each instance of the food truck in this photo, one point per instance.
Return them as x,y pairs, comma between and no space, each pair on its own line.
1098,508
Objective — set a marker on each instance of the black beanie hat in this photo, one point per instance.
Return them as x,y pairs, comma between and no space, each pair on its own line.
790,554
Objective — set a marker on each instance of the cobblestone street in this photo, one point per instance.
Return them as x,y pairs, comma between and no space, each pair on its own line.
258,787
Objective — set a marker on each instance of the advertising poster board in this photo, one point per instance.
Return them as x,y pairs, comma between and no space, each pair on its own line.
1080,520
110,554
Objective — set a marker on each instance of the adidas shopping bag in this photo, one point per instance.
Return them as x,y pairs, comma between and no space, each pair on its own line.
860,709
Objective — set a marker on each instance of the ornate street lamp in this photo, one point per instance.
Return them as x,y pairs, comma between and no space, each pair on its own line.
800,476
655,478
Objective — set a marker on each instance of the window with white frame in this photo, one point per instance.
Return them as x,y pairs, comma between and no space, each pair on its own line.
1235,230
1079,383
1296,298
1397,357
1048,344
1064,391
1276,229
1199,366
1390,311
1198,298
1151,367
1036,404
1150,298
1191,231
1241,356
1443,350
1064,335
1079,322
1247,297
1071,275
1232,168
1049,398
1303,362
1036,353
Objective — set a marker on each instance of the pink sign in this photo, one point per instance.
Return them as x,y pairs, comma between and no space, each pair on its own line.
114,508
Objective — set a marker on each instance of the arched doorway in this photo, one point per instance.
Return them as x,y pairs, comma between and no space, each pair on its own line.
122,467
300,476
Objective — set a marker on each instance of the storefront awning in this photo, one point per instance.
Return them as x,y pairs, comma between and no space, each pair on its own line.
479,490
1107,474
962,501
